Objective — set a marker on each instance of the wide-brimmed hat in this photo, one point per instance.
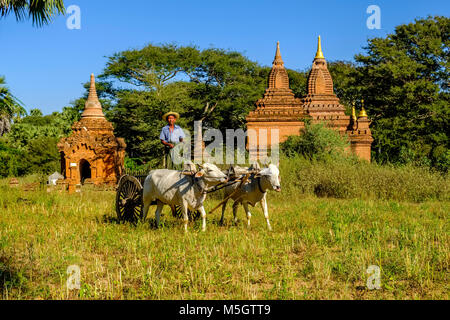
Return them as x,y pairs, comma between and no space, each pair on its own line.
170,113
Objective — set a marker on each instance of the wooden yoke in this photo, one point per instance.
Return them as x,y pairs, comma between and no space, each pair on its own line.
244,180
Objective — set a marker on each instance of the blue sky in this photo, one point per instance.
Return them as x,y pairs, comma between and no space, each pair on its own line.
46,67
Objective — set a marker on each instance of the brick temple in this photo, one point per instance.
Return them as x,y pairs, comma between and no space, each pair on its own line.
92,154
279,109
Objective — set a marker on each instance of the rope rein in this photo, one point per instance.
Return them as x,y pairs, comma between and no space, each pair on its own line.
224,185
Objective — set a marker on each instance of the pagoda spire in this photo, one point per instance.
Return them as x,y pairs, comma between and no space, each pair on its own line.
278,61
319,53
92,107
319,80
353,125
363,112
278,77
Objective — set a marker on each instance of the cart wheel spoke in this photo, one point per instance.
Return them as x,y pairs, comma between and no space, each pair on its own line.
129,199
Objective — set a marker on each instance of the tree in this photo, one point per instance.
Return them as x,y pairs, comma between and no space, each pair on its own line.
42,155
10,108
36,125
218,78
215,86
405,79
298,81
31,145
344,75
11,160
41,12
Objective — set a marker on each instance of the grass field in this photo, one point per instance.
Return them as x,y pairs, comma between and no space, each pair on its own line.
320,249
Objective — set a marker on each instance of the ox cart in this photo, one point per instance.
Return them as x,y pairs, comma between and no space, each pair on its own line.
129,199
129,196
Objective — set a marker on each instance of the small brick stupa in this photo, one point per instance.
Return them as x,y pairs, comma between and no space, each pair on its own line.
279,109
92,154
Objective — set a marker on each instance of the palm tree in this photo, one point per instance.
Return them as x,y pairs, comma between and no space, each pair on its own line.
10,108
40,11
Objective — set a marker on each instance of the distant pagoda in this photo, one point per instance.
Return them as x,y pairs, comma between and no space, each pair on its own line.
321,103
279,109
92,154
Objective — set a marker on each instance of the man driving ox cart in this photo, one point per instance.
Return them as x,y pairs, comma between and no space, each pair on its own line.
170,136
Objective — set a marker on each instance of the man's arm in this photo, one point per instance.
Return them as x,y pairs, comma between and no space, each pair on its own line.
182,135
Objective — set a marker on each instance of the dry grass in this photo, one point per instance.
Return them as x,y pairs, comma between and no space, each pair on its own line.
319,249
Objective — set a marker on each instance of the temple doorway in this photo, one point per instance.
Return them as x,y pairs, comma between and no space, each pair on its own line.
85,170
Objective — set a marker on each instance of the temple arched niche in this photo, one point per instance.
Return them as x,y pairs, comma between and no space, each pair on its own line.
85,170
62,157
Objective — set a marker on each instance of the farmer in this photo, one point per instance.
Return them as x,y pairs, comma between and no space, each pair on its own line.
170,136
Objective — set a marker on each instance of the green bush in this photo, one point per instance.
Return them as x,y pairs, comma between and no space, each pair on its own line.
316,141
11,163
347,178
317,163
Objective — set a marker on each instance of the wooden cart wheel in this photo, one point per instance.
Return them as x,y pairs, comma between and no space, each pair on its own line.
129,203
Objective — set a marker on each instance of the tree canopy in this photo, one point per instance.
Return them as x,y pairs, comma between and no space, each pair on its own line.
215,86
10,108
41,12
404,79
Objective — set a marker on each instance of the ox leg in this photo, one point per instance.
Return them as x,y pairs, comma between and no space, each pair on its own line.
184,209
203,212
146,200
223,212
247,211
266,211
159,207
235,209
146,208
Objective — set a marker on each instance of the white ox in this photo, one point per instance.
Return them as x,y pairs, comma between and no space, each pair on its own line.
253,192
171,187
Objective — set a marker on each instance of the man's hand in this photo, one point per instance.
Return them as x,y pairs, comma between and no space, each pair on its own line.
170,145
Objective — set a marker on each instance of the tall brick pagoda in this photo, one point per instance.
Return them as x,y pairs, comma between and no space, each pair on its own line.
321,103
92,153
279,109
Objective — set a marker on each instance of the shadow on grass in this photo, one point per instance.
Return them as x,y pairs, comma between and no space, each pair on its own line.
107,218
10,278
148,222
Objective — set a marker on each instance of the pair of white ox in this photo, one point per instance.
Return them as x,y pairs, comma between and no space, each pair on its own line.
175,188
